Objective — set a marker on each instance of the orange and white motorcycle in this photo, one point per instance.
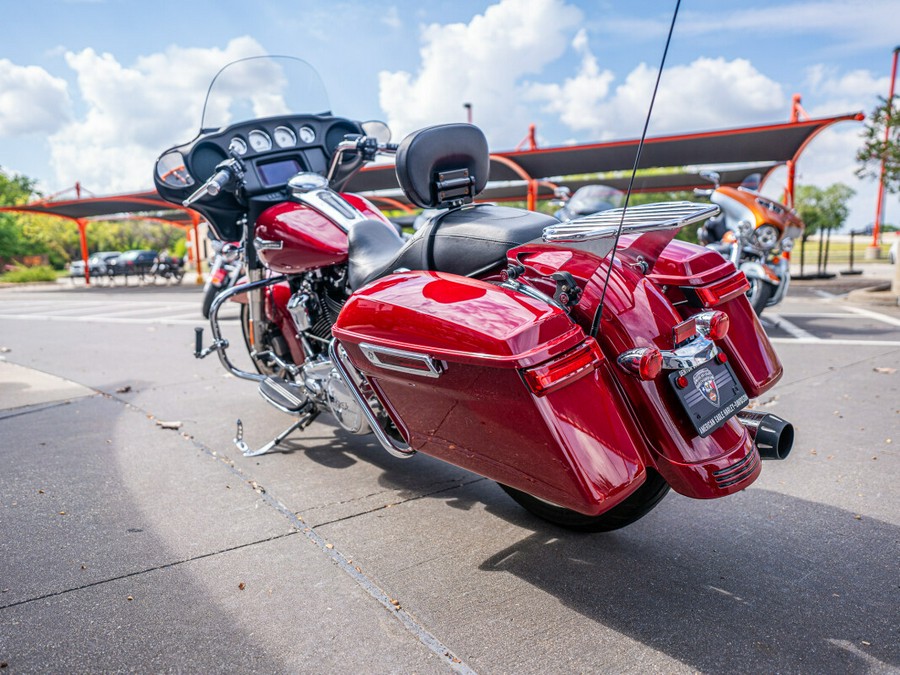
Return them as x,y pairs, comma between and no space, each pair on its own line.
757,234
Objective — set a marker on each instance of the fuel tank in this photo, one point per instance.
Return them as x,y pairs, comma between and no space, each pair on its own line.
295,237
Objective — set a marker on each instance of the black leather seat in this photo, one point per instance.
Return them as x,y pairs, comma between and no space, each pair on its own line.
443,167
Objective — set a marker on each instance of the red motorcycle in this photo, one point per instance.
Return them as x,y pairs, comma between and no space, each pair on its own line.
586,366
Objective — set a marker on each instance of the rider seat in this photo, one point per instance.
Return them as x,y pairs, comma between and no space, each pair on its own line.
443,167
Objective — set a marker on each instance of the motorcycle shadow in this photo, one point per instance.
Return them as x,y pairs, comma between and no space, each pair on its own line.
408,478
759,582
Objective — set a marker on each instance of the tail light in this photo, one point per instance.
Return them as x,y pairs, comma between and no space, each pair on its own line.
713,325
643,362
563,369
717,292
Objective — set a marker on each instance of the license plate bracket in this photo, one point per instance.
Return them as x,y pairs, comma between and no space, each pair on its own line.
712,396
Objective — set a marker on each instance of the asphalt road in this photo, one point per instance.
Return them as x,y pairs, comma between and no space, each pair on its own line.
128,546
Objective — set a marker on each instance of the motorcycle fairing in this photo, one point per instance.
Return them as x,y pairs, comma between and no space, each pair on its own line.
576,446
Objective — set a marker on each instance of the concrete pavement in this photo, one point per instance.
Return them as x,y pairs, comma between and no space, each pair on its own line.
128,546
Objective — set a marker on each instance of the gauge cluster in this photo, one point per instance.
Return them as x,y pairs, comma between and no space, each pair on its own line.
272,149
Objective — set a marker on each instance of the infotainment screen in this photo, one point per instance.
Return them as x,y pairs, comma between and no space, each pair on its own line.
279,171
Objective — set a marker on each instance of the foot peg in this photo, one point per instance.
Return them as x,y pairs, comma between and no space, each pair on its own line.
289,397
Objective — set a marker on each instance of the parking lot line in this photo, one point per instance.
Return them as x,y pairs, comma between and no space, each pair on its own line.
778,321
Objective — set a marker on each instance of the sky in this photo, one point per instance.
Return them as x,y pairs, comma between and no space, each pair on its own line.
94,90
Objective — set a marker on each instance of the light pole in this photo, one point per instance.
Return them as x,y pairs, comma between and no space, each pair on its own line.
879,205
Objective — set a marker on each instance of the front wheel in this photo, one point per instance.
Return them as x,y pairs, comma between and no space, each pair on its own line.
759,294
637,505
209,294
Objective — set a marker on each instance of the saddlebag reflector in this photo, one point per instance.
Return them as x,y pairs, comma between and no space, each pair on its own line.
717,292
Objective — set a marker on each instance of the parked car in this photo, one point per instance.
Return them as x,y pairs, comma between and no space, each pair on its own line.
76,268
98,263
102,262
135,261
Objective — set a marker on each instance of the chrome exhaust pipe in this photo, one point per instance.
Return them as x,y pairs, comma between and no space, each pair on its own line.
773,436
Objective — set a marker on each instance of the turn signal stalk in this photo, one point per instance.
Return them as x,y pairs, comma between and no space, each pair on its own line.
643,362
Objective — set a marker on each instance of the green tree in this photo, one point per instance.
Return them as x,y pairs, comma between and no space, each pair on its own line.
823,209
876,148
14,191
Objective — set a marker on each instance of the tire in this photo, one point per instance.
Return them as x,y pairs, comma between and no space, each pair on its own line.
759,294
209,294
261,367
637,505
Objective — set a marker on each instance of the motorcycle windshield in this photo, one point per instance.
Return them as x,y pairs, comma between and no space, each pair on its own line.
263,86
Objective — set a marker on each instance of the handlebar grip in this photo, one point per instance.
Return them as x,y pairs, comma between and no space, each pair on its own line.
198,341
215,184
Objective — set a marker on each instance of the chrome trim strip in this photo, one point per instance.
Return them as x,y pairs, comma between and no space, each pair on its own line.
372,352
267,244
331,205
691,355
637,220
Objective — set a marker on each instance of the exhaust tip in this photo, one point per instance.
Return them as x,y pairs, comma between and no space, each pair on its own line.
774,437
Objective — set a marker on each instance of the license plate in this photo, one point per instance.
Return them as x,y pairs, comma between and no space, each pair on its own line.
712,395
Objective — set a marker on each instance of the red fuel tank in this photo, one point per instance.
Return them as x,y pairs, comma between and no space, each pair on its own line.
299,238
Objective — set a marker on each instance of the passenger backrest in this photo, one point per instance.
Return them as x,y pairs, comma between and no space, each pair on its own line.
444,165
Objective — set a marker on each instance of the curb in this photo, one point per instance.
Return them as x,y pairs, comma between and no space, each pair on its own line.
879,294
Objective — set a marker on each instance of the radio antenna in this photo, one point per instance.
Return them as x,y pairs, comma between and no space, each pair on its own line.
595,326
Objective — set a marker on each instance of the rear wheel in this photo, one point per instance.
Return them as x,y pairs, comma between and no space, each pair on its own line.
759,294
637,505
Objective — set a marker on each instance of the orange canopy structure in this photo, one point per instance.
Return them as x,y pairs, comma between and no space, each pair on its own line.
760,148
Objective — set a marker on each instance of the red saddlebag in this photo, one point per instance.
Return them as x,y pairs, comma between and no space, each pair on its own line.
496,382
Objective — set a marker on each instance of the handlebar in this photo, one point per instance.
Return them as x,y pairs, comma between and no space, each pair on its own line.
225,173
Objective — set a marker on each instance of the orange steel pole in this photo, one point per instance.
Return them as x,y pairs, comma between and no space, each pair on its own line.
791,165
879,204
519,171
82,235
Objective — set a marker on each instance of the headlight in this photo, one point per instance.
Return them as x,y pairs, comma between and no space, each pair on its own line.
766,236
787,244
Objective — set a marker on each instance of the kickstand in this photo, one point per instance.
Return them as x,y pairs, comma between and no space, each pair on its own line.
247,452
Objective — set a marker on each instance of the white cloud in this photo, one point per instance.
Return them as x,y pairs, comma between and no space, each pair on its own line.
481,63
857,90
133,113
705,94
578,99
855,24
31,100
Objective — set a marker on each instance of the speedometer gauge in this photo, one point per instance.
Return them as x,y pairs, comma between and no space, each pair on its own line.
259,140
307,134
237,145
284,137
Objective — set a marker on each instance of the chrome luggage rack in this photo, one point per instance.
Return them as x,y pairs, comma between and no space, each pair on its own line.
637,220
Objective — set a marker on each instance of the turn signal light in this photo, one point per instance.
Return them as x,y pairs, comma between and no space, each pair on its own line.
643,362
564,369
713,325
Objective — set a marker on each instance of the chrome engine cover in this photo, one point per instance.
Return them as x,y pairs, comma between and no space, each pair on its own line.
328,388
343,406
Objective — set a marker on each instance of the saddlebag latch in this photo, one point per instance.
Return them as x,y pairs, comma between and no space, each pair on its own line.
567,292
